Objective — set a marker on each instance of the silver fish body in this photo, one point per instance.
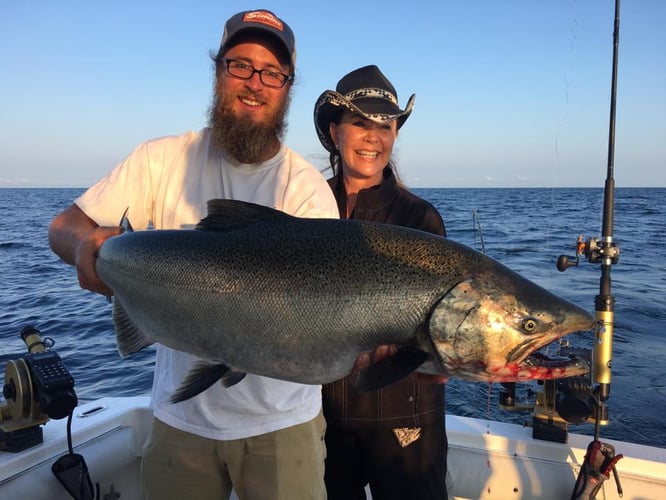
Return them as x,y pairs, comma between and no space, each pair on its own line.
256,290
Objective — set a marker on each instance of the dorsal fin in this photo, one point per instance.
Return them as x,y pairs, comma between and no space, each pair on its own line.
226,215
125,222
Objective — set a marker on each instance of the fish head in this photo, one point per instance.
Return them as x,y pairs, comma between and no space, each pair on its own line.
489,327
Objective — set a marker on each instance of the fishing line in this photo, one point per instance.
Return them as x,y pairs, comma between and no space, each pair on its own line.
564,116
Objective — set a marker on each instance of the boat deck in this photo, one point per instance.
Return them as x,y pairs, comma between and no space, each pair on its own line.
487,459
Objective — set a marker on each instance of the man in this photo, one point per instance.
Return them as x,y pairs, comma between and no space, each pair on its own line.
263,437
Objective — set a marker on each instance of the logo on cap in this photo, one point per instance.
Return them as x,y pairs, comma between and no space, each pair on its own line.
263,17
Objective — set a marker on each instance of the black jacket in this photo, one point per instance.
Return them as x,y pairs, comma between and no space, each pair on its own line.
406,403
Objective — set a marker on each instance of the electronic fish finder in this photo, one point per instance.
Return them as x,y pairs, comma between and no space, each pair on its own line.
37,387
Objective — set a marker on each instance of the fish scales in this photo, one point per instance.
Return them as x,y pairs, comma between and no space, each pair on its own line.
299,299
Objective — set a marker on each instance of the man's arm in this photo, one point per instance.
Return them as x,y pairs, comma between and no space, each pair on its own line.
76,238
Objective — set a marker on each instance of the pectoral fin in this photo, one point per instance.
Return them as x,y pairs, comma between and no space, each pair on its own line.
128,337
391,369
204,375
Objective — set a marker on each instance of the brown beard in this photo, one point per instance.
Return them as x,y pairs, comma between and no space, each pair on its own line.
241,137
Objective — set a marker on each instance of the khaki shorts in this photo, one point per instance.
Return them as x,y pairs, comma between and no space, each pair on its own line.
286,464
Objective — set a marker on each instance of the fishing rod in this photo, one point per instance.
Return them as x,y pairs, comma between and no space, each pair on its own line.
604,251
609,252
600,458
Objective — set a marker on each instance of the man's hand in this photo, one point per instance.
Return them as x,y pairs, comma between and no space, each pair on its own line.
86,256
76,239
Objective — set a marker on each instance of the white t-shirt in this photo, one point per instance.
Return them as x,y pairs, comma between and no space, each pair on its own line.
166,183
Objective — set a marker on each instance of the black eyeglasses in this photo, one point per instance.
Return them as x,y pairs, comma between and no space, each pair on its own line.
244,71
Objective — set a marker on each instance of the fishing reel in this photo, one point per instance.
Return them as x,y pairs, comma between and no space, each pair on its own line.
591,249
37,387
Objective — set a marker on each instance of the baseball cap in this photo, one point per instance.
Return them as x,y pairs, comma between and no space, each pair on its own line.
259,20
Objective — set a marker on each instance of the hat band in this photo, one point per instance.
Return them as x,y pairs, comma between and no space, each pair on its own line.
373,93
340,100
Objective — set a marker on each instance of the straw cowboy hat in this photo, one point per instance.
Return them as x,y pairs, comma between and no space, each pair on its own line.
366,92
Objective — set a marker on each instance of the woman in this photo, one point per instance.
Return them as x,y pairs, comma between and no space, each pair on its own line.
394,438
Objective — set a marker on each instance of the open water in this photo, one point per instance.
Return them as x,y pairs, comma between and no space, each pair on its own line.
526,229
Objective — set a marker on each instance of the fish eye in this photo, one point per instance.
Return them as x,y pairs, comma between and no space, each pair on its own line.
529,325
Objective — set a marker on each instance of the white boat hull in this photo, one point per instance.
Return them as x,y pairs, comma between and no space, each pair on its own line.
487,459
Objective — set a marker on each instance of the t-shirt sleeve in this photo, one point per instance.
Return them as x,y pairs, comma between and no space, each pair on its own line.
307,192
126,186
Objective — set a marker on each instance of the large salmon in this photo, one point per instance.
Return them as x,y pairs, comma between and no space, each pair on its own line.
253,289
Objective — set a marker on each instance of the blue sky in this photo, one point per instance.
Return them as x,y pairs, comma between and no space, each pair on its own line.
508,92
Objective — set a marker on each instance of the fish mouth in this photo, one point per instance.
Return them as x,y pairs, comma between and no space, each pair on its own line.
540,366
523,352
542,360
531,362
531,348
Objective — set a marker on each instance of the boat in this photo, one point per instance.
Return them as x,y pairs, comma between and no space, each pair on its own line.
487,459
